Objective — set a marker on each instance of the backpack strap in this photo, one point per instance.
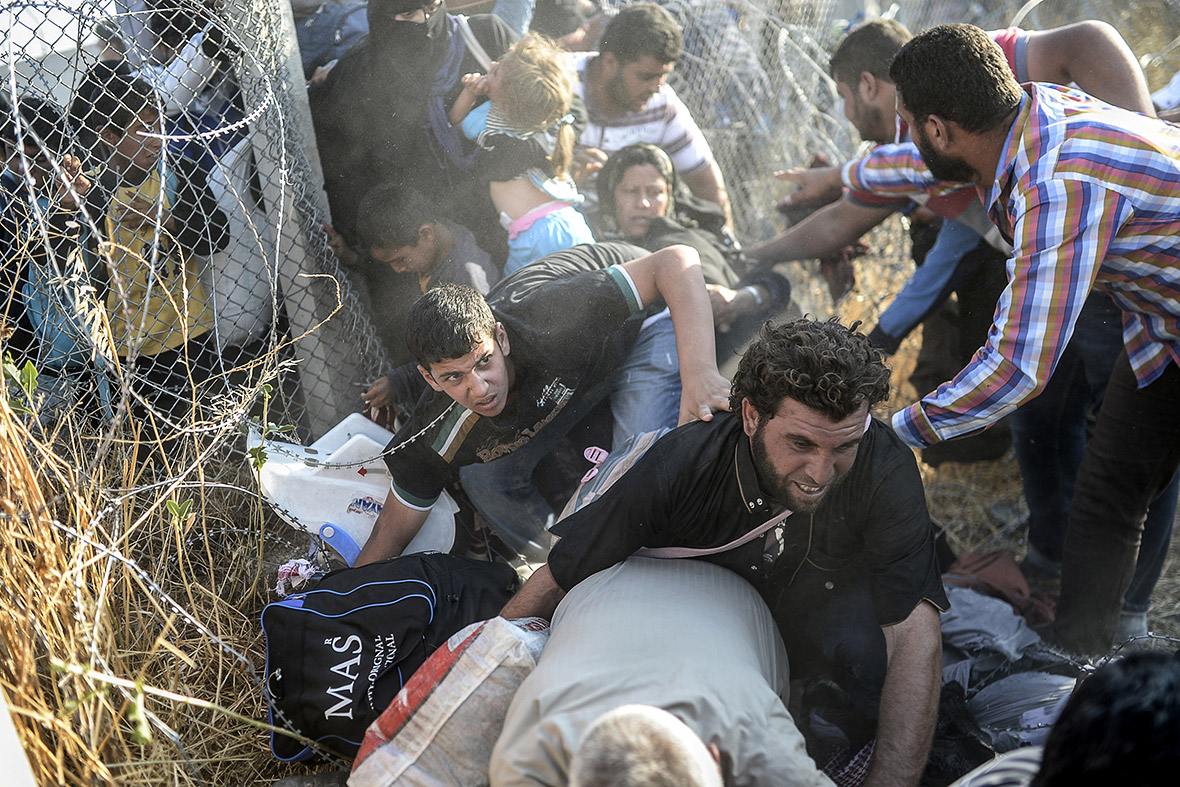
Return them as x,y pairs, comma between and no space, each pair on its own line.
674,552
473,43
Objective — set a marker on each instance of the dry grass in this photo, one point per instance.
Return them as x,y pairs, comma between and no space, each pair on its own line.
130,648
129,634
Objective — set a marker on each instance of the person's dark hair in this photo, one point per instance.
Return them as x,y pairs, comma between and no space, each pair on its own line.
617,165
642,29
389,217
957,73
113,101
43,118
824,365
172,23
1120,726
868,47
447,322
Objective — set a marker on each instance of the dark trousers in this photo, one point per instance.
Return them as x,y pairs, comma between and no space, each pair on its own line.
1050,439
1130,459
830,628
172,381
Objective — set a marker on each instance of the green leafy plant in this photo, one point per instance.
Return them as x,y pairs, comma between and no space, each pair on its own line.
266,428
180,511
22,379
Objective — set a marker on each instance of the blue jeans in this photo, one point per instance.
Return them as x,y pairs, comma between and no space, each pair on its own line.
647,385
1050,439
503,490
517,14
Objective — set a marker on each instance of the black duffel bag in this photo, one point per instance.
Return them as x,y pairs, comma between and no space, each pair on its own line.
337,655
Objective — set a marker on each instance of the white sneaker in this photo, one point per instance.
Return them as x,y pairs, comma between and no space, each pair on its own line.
1168,97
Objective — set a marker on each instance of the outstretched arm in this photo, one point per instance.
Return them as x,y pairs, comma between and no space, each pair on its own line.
709,184
395,528
824,232
1094,56
909,699
674,274
538,598
817,185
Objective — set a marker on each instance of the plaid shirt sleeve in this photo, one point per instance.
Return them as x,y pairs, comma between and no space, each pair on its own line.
1062,230
892,171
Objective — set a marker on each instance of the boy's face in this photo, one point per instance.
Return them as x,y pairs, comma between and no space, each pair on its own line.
420,258
34,164
135,149
481,380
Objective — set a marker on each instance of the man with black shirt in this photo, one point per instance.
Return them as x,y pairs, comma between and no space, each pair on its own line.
815,503
510,376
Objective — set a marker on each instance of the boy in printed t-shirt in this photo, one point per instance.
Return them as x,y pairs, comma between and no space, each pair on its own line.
156,217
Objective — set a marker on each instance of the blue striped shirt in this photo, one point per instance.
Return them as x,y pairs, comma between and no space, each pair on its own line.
1089,194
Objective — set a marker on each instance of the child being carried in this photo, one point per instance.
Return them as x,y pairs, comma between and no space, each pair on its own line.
525,136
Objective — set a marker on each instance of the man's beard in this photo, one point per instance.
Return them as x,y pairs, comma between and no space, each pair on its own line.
948,168
777,487
616,90
870,121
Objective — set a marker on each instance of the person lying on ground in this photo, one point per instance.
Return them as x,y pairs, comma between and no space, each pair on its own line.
669,667
1120,725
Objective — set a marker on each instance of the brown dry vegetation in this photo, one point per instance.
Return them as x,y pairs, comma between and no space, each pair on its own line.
129,635
130,649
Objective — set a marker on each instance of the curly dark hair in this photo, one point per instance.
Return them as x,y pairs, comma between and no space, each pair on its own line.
824,365
957,73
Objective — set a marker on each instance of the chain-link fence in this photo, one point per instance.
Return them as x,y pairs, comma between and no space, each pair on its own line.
165,277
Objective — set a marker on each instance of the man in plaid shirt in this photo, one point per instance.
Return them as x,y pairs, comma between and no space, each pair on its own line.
1086,194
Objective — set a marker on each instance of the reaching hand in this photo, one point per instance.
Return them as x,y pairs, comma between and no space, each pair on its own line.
702,395
320,74
73,182
586,162
379,393
140,212
378,401
817,186
342,250
729,304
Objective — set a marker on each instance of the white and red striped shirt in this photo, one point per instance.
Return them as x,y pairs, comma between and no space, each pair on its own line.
664,121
